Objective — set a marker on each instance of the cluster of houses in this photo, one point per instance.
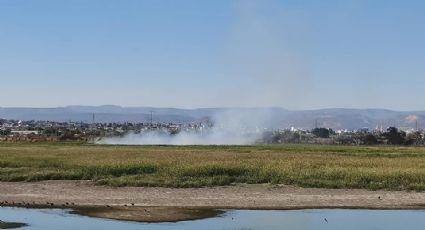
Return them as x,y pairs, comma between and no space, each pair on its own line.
34,131
37,131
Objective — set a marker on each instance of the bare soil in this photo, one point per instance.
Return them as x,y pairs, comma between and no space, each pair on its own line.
151,204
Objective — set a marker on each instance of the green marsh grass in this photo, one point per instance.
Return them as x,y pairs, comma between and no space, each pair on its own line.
321,166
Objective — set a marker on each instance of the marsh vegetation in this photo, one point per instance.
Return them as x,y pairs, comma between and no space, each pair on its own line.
378,167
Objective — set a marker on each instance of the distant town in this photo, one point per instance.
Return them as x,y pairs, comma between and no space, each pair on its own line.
40,131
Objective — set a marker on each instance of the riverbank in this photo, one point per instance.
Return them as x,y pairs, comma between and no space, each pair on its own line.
85,193
147,204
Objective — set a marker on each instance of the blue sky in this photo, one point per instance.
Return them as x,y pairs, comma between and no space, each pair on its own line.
190,53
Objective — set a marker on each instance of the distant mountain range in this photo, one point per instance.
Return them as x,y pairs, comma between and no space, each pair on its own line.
336,118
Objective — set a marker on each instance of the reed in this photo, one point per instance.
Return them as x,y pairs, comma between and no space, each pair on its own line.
321,166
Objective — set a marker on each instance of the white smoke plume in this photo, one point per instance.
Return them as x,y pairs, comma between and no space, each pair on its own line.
411,118
182,138
231,127
260,59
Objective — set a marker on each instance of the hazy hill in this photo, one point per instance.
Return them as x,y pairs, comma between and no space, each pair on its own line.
280,118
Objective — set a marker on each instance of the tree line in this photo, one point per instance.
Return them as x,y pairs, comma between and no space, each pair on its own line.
391,136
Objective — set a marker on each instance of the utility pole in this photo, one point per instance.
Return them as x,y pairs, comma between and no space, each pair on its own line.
93,128
151,118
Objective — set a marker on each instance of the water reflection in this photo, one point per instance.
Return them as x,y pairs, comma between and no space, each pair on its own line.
52,219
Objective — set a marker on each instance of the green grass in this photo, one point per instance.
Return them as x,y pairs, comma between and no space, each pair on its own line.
379,167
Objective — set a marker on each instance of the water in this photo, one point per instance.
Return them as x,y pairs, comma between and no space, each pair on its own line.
53,219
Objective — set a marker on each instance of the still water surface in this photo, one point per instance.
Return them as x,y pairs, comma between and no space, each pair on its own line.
337,219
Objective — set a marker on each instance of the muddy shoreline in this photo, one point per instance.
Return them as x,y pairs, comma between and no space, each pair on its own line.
167,204
11,225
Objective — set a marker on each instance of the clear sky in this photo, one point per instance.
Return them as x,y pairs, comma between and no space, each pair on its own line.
190,53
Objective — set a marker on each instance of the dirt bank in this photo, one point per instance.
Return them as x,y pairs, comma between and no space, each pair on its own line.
83,194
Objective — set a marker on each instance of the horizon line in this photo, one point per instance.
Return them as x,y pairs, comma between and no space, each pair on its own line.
214,107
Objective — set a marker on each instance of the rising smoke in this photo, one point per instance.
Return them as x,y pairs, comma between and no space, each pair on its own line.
229,127
211,137
264,71
261,60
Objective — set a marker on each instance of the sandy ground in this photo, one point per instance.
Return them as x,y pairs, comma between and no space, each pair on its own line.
84,193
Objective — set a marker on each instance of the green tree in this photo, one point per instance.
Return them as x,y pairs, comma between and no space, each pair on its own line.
394,136
322,132
369,139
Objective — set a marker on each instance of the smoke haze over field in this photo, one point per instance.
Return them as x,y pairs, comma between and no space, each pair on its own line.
231,127
214,137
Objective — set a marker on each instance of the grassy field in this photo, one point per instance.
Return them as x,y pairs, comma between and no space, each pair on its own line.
383,167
